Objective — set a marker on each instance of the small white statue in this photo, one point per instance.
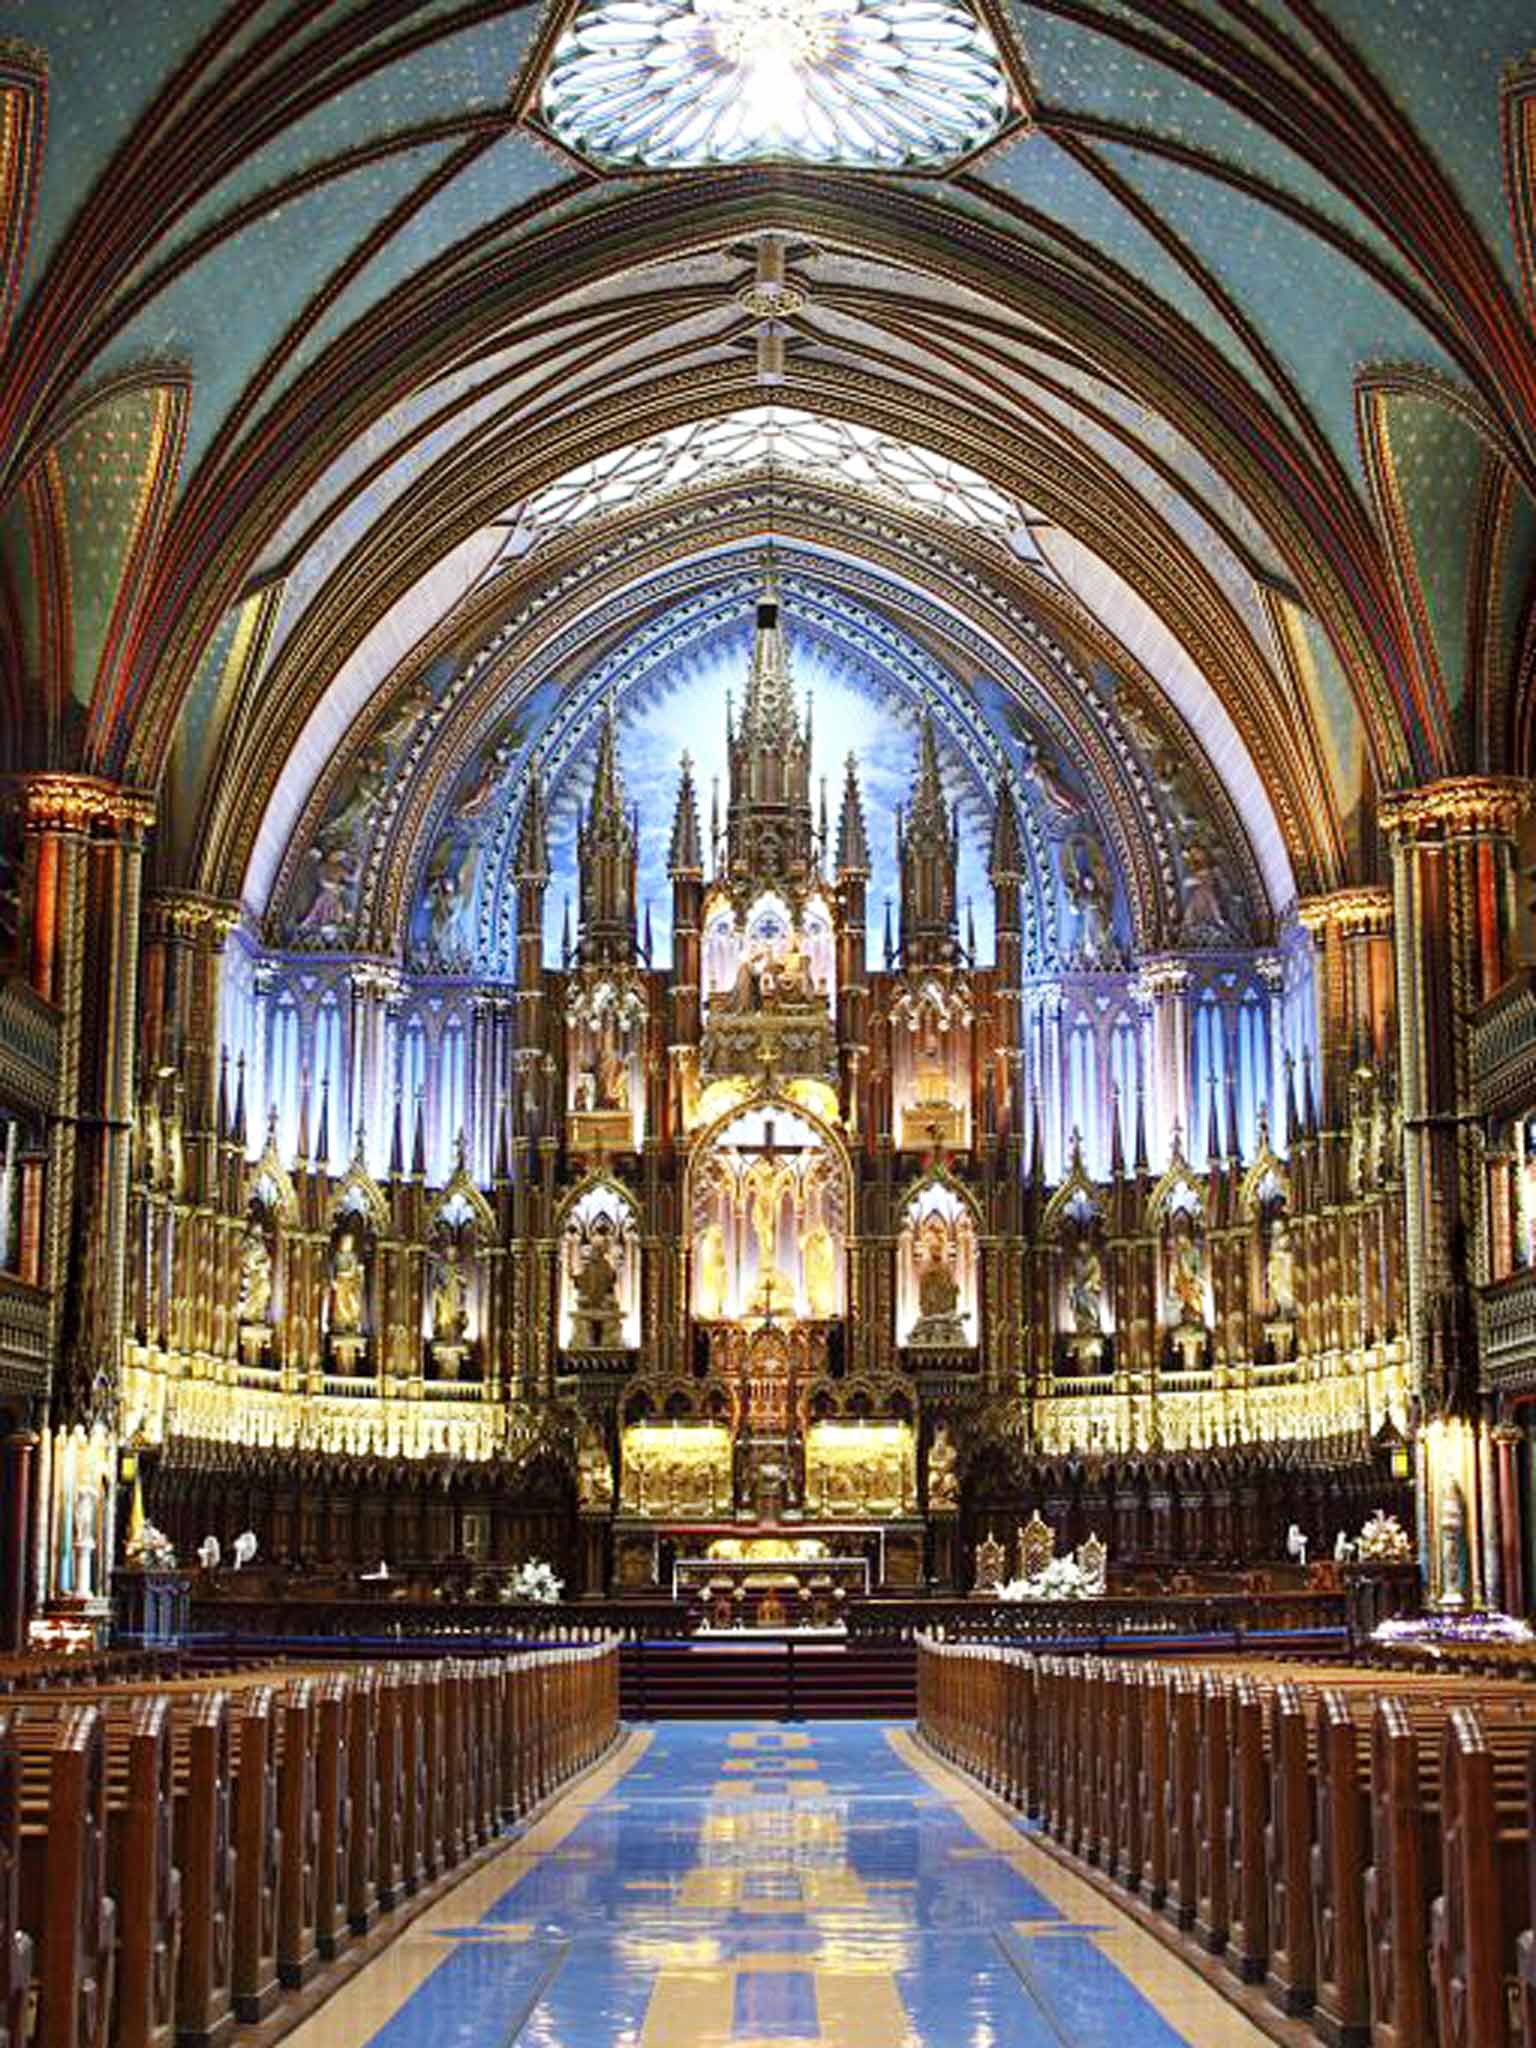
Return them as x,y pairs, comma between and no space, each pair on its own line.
1343,1549
209,1552
381,1573
245,1547
1296,1544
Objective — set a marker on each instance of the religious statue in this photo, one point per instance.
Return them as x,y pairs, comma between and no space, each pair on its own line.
774,1293
614,1080
1186,1280
586,1091
1085,1290
1455,1555
450,1310
746,992
1280,1268
594,1473
939,1320
209,1552
347,1277
712,1286
254,1301
597,1320
943,1473
84,1515
819,1258
794,983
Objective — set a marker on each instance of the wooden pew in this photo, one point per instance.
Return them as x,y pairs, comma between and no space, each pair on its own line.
1476,1922
205,1856
65,1905
258,1856
366,1793
15,1943
335,1821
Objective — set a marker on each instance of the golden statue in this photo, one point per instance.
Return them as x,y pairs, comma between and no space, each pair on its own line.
943,1472
819,1255
594,1472
713,1283
347,1277
774,1293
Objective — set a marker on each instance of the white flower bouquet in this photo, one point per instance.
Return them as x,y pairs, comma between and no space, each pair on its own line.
536,1581
1383,1540
151,1549
1061,1579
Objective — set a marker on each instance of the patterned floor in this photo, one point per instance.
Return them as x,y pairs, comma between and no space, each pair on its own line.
765,1886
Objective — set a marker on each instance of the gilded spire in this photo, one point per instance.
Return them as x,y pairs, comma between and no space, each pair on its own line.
770,719
929,851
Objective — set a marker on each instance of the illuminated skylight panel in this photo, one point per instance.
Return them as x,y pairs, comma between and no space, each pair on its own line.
798,443
877,84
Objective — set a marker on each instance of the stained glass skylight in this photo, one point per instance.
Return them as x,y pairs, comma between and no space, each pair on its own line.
878,84
792,442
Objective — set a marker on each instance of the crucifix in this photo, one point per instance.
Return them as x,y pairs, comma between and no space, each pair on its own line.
765,1208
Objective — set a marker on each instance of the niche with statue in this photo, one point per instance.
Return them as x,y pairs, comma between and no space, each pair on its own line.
936,1267
600,1272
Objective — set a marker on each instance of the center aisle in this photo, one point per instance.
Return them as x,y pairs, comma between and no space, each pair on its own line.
765,1886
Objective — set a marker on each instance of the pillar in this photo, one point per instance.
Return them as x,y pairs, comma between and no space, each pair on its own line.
85,849
16,1461
1453,865
1355,989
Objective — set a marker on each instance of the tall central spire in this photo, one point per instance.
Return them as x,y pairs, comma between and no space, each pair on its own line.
607,849
770,833
769,720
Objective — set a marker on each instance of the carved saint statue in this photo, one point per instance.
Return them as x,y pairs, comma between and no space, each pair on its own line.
794,973
819,1255
594,1473
713,1284
85,1514
1280,1268
613,1090
254,1302
943,1472
450,1311
939,1320
347,1277
1186,1279
1085,1290
1455,1556
597,1320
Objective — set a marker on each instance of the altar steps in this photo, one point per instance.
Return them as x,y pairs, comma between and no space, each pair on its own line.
777,1679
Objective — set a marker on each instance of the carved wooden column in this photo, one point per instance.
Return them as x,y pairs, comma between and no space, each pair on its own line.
1453,850
85,861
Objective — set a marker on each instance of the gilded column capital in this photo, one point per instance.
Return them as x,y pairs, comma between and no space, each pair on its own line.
1170,977
85,803
1460,807
1356,913
190,915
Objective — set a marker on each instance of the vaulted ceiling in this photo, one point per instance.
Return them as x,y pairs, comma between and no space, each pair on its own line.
301,308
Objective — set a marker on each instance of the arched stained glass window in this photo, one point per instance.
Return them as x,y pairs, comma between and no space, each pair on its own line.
450,1096
283,1072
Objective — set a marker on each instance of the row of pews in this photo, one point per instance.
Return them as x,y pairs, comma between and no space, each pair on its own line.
1358,1844
174,1859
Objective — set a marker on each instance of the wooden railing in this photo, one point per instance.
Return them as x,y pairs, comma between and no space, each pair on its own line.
177,1858
1359,1845
1215,1619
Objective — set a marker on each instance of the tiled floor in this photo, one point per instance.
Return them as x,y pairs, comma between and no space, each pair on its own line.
769,1886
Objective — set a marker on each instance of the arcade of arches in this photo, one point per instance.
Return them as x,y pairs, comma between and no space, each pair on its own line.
757,800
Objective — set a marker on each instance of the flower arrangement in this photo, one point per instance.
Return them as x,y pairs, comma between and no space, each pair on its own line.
1062,1579
1383,1540
151,1549
536,1581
